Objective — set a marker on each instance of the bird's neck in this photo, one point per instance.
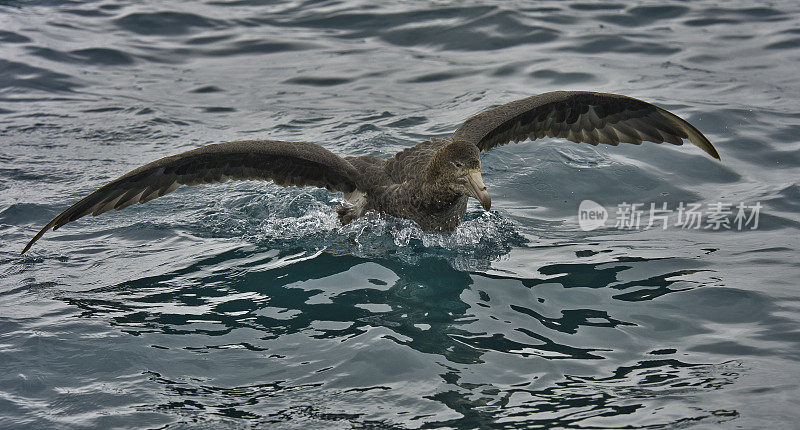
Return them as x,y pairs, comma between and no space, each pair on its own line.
435,194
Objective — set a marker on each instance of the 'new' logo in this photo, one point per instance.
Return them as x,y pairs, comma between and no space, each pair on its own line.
591,215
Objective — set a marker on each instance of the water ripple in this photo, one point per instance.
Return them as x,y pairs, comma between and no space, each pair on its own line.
246,304
164,23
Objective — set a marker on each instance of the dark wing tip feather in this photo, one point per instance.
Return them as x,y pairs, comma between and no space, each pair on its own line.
64,217
692,133
38,235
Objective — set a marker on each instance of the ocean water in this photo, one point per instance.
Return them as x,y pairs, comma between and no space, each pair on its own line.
247,305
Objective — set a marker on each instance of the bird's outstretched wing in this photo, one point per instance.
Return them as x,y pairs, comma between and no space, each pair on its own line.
284,163
580,116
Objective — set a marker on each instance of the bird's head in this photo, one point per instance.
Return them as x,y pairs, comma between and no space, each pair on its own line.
457,166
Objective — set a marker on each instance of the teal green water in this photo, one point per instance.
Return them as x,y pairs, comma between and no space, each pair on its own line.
247,305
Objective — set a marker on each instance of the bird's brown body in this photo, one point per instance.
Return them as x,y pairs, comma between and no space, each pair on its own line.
429,183
410,185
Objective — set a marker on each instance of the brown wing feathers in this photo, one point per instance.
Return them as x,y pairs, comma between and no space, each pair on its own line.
580,116
285,163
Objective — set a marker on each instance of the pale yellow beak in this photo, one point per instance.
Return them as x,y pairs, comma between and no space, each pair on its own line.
478,189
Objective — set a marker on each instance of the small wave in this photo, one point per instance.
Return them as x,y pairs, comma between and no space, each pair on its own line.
259,46
90,56
11,37
595,44
164,23
318,81
21,76
563,78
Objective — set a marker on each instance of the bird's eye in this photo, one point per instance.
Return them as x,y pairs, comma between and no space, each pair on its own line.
457,164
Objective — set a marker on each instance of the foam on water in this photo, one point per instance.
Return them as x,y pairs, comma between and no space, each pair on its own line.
305,220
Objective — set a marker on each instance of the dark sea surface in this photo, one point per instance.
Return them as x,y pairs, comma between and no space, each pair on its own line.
246,304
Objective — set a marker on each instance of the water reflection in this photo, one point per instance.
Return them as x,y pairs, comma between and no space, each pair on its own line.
322,338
